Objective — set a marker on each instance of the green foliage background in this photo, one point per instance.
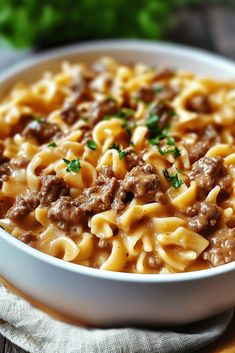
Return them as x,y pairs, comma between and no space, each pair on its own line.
41,23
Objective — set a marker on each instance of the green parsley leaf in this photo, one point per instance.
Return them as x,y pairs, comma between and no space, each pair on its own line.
121,153
73,166
176,151
52,144
85,119
173,179
92,145
172,113
170,140
38,119
152,124
132,143
125,113
158,89
111,99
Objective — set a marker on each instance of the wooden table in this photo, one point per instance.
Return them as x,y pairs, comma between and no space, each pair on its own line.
211,28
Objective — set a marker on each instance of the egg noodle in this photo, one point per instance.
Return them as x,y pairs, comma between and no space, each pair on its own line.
121,167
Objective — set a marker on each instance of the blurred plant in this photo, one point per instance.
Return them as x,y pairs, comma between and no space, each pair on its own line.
42,23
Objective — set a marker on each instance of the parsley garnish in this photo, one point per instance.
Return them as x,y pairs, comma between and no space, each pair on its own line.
85,119
172,113
175,151
111,99
174,179
152,124
72,166
170,140
123,115
92,145
158,89
52,144
121,153
38,119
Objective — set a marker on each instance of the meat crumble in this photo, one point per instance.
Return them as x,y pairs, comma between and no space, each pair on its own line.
23,206
203,216
209,172
42,131
52,188
222,247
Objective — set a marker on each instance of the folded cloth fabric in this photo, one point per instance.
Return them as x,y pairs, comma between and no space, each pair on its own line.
36,332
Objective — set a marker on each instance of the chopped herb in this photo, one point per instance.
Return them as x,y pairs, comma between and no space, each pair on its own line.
158,89
92,145
170,140
38,119
52,144
121,153
176,151
85,119
111,99
72,166
172,113
125,113
137,99
108,117
132,143
152,124
174,179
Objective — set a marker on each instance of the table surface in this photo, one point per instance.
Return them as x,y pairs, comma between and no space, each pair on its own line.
210,28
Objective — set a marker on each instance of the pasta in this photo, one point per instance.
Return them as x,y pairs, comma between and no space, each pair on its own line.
121,167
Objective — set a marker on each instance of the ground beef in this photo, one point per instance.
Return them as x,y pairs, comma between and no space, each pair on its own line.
198,150
98,110
210,171
52,188
5,172
82,91
25,119
132,158
28,238
70,114
165,113
163,74
5,204
199,103
221,249
65,212
141,182
42,131
204,216
209,137
146,94
5,169
24,204
98,198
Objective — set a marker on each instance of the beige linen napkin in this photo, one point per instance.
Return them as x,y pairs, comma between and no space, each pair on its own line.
36,332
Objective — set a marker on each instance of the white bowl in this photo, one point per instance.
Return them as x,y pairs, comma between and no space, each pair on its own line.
101,297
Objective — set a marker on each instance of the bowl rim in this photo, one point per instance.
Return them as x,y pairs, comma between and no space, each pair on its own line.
126,45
